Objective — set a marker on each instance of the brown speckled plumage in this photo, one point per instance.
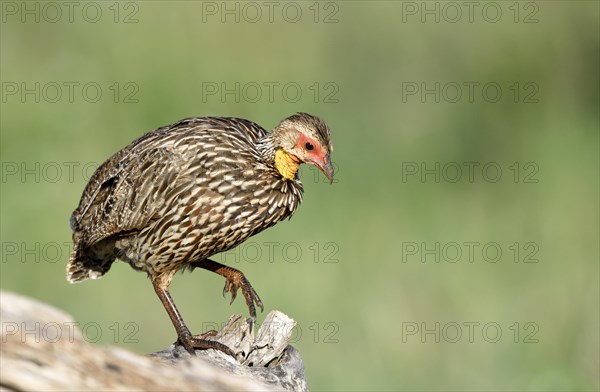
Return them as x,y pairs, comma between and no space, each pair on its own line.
184,192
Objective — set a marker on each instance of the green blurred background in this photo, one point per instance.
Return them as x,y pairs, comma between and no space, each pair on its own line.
355,63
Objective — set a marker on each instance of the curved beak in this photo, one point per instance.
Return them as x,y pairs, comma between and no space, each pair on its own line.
326,167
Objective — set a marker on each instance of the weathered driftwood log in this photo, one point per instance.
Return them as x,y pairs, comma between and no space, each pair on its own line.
42,350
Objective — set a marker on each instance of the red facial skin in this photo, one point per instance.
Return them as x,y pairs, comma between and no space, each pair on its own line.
318,156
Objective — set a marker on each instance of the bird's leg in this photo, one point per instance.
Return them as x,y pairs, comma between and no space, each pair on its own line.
185,338
234,280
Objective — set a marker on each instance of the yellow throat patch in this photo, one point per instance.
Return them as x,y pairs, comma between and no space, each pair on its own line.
286,164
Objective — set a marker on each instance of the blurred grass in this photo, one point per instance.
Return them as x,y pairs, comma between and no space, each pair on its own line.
369,212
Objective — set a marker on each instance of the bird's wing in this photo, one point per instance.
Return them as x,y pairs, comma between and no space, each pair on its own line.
131,189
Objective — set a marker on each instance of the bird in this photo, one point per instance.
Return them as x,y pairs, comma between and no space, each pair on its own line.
184,192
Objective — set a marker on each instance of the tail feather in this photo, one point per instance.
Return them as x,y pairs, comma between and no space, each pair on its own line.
81,267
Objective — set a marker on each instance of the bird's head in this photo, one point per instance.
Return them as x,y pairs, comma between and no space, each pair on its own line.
303,138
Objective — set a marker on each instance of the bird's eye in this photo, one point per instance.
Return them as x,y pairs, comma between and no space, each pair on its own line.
308,146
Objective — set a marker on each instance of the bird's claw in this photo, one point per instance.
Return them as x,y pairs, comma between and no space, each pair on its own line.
192,342
236,281
230,287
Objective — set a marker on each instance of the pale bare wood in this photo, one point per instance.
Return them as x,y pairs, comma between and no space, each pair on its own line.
32,361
